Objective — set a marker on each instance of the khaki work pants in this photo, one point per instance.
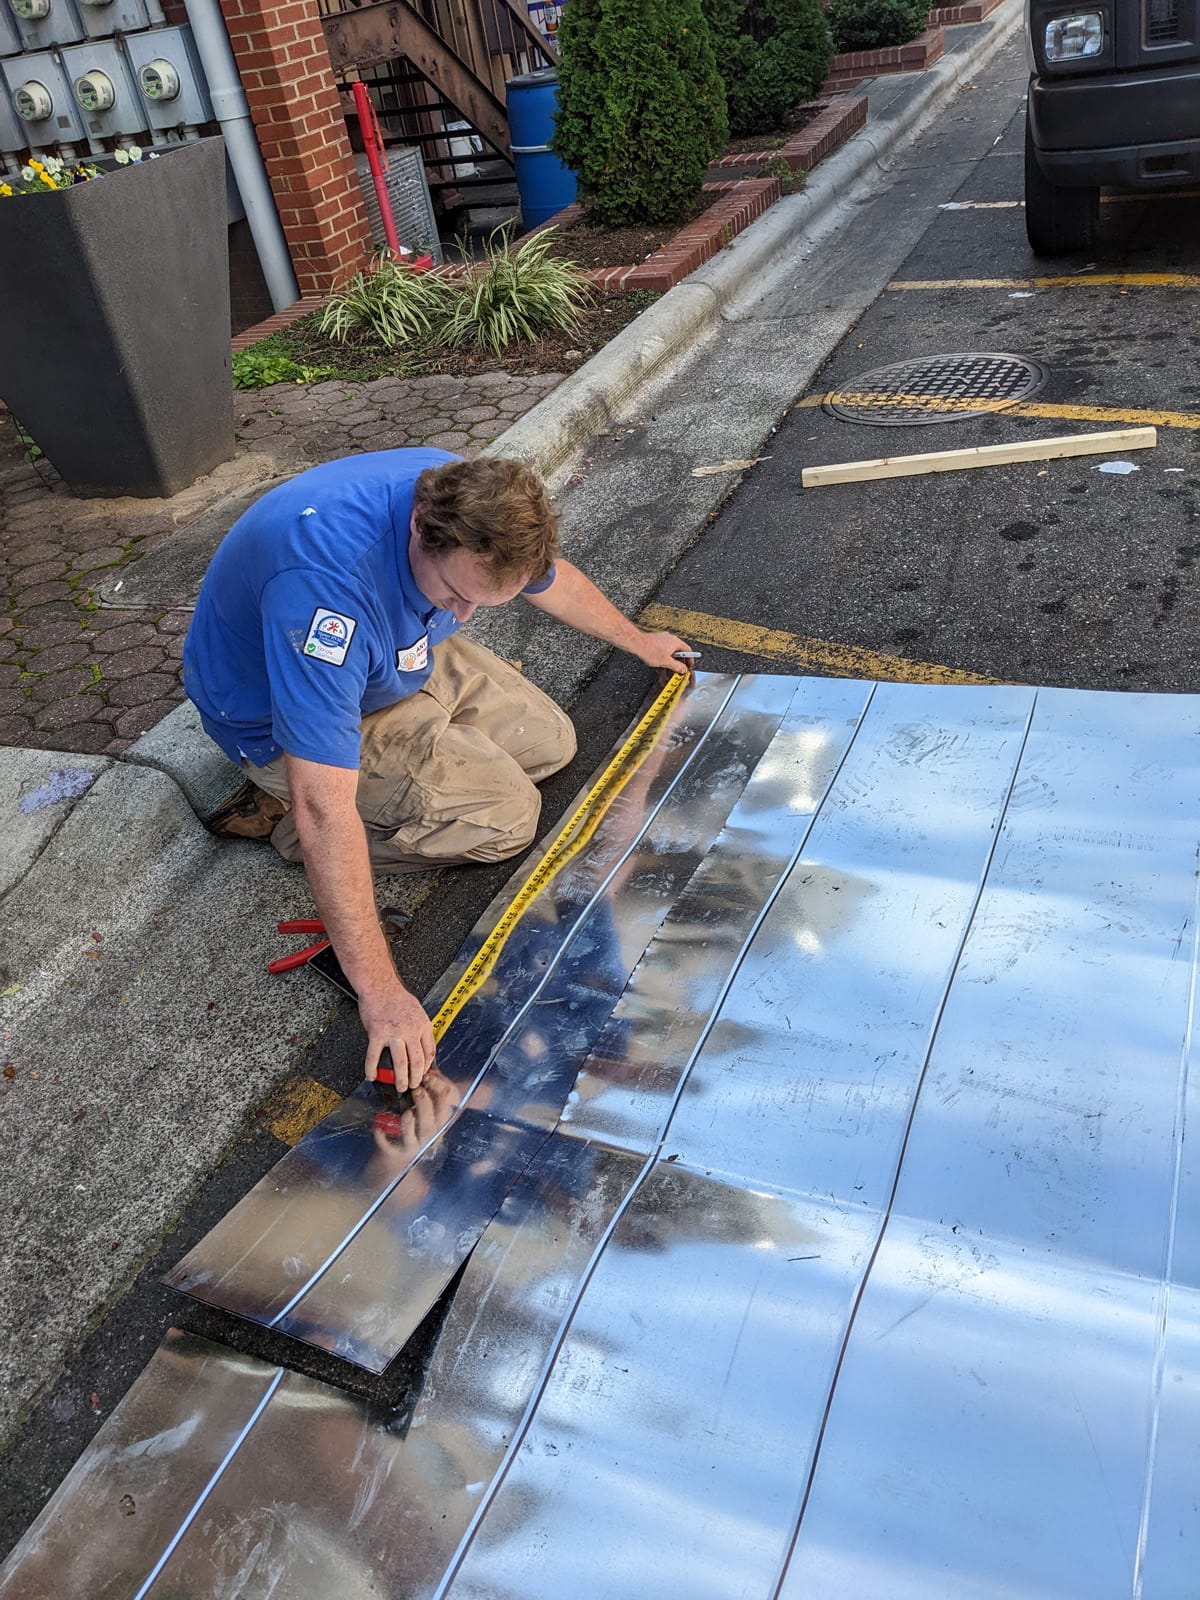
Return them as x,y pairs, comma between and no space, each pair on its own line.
448,774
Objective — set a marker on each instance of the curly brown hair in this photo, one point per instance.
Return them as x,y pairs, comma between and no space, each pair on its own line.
497,509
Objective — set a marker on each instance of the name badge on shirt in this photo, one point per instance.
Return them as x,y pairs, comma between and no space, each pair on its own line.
329,636
415,657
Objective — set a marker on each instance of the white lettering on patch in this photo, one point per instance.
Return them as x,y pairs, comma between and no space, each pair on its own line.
415,657
329,636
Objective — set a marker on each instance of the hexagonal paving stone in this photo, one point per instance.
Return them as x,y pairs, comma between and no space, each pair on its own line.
128,636
63,713
128,663
139,690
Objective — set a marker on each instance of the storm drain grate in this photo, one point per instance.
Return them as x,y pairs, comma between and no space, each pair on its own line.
937,389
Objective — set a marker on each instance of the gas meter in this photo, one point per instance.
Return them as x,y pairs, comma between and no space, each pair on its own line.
102,18
168,73
45,23
159,80
95,92
33,101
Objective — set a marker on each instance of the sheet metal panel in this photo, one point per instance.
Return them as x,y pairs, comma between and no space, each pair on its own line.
805,1081
993,1429
862,1262
363,1294
138,1483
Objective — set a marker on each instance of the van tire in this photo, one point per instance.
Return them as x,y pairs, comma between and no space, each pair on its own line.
1057,220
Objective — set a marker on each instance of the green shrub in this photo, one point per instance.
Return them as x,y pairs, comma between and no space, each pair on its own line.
773,54
271,360
641,106
522,293
391,302
872,24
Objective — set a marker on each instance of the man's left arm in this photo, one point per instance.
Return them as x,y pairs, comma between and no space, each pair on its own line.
574,599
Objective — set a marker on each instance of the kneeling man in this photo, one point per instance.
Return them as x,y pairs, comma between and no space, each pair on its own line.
324,657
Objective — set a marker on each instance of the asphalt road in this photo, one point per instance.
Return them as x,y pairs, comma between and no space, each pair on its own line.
1049,572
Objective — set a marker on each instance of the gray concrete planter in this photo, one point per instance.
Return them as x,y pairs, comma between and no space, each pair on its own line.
114,348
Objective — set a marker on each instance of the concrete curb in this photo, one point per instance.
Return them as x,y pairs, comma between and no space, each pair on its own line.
593,396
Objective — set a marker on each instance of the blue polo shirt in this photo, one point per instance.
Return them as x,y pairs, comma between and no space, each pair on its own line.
309,616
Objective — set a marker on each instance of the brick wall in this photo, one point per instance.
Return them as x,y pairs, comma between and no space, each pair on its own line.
294,105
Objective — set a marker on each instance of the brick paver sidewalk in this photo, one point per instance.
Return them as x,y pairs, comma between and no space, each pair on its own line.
78,675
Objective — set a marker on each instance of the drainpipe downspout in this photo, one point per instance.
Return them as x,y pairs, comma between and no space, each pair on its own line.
233,114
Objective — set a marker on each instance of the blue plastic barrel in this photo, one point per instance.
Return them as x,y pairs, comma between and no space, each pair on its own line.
544,184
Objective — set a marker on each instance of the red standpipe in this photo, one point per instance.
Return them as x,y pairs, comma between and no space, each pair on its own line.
372,136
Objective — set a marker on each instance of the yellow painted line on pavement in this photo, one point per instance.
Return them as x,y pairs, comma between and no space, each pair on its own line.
297,1107
1082,280
1115,415
814,655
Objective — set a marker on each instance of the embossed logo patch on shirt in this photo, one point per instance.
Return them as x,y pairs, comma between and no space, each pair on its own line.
329,636
414,658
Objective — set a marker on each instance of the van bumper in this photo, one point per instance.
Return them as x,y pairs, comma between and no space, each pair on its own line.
1131,130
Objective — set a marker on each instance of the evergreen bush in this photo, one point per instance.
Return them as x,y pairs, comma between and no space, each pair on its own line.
773,55
872,24
641,107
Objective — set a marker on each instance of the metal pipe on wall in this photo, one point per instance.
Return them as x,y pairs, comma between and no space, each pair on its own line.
233,114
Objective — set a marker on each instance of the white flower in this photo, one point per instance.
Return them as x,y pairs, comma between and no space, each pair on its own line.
28,174
135,152
54,165
121,157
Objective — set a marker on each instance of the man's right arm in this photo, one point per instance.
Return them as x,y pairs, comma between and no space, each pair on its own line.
339,873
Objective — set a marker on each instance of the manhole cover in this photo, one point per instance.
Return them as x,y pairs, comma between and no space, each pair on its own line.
937,389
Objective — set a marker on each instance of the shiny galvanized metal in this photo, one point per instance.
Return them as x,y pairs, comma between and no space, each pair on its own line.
860,1259
350,1240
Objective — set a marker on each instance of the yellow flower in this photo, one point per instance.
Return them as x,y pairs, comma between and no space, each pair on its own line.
47,180
36,165
5,188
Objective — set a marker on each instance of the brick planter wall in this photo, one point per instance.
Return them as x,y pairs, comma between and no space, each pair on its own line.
915,56
284,64
839,119
735,206
972,11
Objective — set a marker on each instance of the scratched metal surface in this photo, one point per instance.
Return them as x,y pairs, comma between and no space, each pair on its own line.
350,1240
860,1260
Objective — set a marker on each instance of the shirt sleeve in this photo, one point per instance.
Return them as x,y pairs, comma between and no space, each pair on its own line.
542,584
316,642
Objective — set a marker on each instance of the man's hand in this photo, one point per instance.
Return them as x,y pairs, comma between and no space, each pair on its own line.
396,1021
658,650
574,599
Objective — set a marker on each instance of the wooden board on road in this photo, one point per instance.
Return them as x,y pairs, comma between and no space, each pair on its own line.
987,455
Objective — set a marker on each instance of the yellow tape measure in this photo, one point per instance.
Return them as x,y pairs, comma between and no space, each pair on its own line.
570,839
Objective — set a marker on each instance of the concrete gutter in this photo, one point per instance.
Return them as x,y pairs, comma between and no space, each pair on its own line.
591,398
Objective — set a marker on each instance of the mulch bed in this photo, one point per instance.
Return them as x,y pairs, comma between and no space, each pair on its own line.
590,245
795,122
628,267
361,359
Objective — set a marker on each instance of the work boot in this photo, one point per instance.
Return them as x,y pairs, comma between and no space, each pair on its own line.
249,814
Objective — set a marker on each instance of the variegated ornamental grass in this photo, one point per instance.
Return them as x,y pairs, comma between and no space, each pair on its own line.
518,292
